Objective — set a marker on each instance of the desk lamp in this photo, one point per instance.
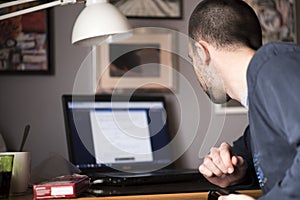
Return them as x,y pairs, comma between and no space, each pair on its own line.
99,21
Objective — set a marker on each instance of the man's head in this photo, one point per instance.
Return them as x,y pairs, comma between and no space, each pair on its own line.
225,25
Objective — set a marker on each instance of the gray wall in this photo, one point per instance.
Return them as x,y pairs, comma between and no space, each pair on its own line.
36,100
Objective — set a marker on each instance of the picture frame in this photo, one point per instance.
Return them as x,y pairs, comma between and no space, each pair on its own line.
150,9
277,19
143,62
24,45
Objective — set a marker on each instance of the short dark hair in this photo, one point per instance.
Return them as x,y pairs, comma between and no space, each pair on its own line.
225,23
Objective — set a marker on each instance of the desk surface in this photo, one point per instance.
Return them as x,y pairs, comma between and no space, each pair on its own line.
192,190
173,196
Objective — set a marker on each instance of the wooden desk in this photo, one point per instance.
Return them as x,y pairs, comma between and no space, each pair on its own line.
173,196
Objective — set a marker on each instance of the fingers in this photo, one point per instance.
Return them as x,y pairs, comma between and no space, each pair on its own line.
225,154
235,197
218,162
228,197
209,168
237,161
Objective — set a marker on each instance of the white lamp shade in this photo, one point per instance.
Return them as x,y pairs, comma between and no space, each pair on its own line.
97,22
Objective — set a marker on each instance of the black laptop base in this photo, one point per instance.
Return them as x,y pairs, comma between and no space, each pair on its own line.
157,177
163,188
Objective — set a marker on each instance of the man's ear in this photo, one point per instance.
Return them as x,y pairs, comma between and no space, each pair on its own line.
202,51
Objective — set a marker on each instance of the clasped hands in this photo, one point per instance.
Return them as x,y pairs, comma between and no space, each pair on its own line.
222,168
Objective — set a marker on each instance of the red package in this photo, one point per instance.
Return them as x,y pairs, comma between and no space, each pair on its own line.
69,186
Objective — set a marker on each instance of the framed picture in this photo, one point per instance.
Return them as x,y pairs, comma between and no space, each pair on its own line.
231,107
277,19
159,9
24,44
142,62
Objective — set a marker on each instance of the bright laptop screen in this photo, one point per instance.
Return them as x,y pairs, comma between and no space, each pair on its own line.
116,133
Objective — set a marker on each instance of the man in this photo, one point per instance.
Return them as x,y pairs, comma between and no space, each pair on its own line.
228,59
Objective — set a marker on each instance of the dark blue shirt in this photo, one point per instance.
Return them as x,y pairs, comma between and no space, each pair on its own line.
273,79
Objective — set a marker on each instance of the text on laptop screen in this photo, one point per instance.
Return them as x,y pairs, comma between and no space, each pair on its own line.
108,134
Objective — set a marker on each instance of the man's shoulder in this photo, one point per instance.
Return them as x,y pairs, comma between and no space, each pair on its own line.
272,60
273,52
277,47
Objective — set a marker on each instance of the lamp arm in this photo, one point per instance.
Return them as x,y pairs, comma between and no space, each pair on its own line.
32,9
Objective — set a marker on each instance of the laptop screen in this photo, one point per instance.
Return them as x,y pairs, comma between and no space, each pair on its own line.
116,132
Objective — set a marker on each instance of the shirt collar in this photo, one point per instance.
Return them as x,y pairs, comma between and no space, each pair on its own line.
244,100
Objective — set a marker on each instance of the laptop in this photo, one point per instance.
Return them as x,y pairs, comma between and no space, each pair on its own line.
121,140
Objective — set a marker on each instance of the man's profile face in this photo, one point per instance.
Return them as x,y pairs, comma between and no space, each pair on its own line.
208,77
